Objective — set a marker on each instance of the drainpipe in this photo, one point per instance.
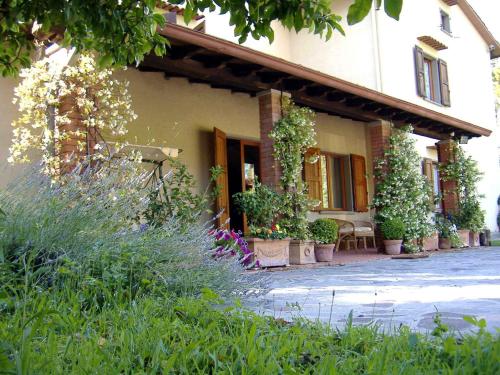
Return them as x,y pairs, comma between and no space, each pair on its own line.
376,48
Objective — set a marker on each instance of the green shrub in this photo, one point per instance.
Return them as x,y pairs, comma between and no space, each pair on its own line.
261,205
393,229
84,230
324,231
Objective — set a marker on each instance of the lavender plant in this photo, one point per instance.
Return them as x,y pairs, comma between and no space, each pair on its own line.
85,227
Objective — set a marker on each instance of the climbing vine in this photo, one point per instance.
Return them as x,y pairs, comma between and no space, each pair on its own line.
293,135
465,171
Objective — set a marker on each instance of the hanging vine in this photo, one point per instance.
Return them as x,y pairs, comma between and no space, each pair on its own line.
101,103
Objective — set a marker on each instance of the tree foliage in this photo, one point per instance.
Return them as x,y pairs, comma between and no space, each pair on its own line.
122,31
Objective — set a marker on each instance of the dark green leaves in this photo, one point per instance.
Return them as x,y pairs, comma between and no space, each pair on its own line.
393,8
122,32
360,9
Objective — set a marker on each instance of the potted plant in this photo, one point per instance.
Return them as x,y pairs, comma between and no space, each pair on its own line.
293,135
325,233
267,241
448,234
393,231
431,241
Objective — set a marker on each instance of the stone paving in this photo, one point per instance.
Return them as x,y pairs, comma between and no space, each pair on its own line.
392,292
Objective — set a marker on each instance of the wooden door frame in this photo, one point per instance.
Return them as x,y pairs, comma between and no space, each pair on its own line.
243,143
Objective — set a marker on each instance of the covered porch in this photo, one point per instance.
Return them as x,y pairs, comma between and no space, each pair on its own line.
354,122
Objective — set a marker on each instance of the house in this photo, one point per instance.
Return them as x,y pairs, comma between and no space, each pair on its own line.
216,100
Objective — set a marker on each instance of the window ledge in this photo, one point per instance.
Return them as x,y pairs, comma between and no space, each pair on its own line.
331,212
449,33
433,102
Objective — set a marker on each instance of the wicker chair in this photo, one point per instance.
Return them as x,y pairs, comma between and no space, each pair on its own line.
353,231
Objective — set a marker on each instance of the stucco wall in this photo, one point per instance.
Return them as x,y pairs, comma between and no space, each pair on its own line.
178,114
8,112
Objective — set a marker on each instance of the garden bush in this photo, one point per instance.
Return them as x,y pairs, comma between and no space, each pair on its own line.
393,229
324,231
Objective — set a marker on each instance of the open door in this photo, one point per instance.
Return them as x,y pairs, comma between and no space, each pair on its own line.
222,202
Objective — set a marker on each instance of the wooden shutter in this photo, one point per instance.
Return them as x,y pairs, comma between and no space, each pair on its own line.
419,69
222,201
443,83
359,184
312,174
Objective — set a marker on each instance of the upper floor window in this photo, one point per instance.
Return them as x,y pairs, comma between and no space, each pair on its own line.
445,22
432,78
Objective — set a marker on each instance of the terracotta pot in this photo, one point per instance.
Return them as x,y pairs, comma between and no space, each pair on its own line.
464,237
431,243
474,239
302,252
324,252
393,247
270,253
444,243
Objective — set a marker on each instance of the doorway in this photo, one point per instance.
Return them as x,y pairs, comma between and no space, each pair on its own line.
243,169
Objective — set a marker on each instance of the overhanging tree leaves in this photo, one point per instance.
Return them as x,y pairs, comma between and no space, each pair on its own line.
123,31
360,9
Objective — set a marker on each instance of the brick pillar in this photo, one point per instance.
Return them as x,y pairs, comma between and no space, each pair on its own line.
269,113
76,142
446,153
380,131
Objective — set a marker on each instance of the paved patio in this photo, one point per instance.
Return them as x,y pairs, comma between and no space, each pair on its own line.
392,292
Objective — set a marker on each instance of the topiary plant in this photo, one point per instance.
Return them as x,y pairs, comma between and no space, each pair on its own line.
393,229
324,231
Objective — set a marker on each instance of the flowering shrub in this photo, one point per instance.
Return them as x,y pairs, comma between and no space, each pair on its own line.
274,232
402,191
231,243
103,103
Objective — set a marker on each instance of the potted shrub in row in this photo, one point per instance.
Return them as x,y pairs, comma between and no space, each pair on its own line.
267,241
448,234
393,231
324,232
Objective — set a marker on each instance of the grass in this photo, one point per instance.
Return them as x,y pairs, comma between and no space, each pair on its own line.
83,292
51,332
495,242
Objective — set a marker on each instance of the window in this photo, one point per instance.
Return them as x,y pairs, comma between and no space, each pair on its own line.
445,22
338,182
432,78
430,169
334,182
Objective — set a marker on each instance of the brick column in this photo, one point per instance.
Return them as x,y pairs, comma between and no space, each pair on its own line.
380,131
446,153
76,142
269,113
